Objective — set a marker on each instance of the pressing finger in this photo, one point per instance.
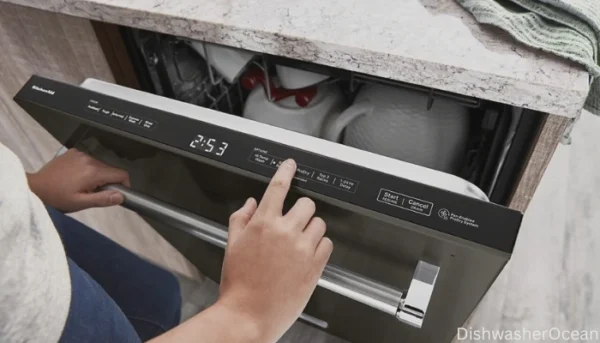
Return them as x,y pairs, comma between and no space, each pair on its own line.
272,201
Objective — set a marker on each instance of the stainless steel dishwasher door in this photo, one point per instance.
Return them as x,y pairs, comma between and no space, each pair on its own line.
373,249
397,273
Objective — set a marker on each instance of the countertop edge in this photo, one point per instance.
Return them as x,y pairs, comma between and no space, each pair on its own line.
540,97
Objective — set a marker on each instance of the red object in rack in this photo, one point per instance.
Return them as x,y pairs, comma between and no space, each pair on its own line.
255,77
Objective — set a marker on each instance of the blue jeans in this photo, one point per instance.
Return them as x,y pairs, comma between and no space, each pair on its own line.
115,295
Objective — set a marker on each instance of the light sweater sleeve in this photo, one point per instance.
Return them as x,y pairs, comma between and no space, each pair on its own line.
35,286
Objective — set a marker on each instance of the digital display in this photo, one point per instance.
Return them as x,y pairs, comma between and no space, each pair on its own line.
210,145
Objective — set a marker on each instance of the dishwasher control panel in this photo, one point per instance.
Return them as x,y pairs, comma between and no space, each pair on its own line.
195,136
305,173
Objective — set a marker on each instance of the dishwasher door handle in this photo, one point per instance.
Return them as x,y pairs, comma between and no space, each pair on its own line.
409,307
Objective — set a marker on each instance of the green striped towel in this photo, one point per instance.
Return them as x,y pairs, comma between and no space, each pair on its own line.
567,28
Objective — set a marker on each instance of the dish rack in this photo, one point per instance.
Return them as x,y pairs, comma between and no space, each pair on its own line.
175,70
163,56
349,81
166,66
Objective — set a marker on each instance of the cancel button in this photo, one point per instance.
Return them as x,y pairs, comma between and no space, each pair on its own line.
420,206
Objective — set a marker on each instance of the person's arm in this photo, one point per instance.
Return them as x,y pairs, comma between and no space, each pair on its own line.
78,191
271,268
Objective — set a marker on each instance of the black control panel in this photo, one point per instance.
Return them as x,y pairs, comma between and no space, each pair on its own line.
432,208
305,173
94,106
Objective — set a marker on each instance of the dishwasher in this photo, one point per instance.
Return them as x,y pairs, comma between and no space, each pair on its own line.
415,249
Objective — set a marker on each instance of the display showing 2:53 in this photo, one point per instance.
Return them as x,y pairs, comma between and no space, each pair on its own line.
209,145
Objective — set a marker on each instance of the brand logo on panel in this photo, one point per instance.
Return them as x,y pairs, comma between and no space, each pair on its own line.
444,213
43,90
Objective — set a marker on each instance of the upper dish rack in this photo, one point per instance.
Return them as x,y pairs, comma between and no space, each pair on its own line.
169,66
352,80
207,88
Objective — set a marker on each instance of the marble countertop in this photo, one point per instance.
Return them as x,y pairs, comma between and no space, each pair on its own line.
434,43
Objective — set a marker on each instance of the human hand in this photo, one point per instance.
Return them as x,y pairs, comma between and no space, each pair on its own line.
69,182
273,261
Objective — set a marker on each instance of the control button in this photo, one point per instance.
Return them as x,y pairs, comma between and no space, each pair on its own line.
134,120
93,108
261,158
105,112
390,198
117,115
304,172
148,124
323,177
418,206
405,202
276,162
346,184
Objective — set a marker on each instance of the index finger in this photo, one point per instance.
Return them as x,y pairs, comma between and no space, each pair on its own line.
272,201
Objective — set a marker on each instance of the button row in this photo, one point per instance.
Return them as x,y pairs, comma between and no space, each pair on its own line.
94,107
305,173
405,202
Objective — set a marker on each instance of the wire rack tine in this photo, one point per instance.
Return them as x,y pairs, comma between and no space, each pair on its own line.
267,79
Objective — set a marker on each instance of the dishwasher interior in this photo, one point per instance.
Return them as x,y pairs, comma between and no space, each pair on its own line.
496,141
499,137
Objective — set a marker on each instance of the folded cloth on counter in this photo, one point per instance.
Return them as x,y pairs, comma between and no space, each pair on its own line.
567,28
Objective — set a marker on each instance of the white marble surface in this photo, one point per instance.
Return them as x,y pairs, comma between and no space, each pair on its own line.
434,43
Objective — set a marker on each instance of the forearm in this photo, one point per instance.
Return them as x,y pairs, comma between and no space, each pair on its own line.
217,324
